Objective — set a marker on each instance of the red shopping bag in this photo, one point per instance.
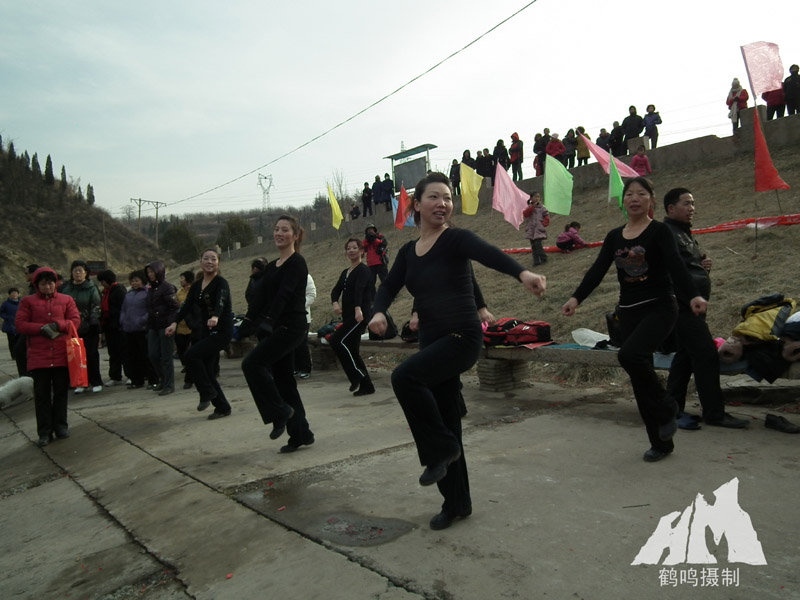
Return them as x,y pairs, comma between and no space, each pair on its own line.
76,359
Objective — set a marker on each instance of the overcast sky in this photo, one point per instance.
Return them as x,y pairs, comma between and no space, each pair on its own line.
165,100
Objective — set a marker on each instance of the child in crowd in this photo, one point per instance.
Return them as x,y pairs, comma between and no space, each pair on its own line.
640,163
536,228
569,239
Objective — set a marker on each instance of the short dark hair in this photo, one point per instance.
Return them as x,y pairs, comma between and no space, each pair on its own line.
642,181
673,196
572,225
31,269
107,276
259,263
140,275
188,276
12,289
423,183
352,239
78,263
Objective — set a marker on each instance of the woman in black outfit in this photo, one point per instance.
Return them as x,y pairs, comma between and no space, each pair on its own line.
277,315
355,288
436,270
211,298
646,257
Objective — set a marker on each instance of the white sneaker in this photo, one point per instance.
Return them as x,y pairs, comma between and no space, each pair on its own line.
129,382
80,390
97,388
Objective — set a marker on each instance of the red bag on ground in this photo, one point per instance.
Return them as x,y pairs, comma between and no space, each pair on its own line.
495,334
76,359
529,332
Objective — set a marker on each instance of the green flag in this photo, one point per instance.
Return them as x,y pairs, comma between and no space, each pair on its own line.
557,187
615,184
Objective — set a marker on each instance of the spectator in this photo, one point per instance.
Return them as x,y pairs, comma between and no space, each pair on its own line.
8,312
640,163
162,306
616,140
467,159
21,348
555,148
355,212
480,163
366,200
500,154
583,149
604,140
183,333
539,151
737,101
133,322
110,309
776,103
632,127
515,156
536,228
455,175
489,165
791,90
569,239
375,246
256,274
388,191
651,120
302,354
87,299
570,147
377,191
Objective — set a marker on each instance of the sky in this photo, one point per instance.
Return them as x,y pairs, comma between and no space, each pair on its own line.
165,101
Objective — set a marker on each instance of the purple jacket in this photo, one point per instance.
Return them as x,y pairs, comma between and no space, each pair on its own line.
133,316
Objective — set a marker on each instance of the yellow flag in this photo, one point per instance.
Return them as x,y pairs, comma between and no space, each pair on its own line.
336,212
470,186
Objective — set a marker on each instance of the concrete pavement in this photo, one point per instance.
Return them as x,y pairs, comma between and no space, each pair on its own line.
149,499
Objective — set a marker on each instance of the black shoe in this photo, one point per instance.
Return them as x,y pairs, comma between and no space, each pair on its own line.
289,448
204,404
43,441
157,387
187,386
728,421
279,424
354,386
166,391
654,455
434,473
667,430
62,434
218,415
135,386
780,424
366,388
444,519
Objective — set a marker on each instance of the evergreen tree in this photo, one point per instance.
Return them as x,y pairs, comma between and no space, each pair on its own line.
89,194
62,186
181,242
26,160
79,195
37,170
12,153
235,230
49,178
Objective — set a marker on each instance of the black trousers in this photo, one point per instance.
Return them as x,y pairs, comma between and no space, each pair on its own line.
696,354
427,386
269,372
645,327
115,341
137,364
302,355
182,343
159,350
92,341
367,208
792,107
201,361
539,255
345,343
516,170
13,338
50,389
775,111
21,355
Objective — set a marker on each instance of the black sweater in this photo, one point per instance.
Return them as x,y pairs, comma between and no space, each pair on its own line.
354,290
213,301
644,266
280,297
441,281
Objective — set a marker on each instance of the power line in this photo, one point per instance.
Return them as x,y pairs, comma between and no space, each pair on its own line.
362,111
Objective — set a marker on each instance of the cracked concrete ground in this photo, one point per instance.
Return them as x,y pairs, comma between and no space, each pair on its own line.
148,499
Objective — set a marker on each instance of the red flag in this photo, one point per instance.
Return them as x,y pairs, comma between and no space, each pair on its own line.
767,177
604,158
402,207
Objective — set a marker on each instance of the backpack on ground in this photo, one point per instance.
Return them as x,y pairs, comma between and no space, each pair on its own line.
497,333
529,332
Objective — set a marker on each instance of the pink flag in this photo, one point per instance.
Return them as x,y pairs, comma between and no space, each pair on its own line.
764,67
603,158
507,198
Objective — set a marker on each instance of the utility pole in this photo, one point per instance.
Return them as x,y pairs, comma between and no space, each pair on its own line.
139,202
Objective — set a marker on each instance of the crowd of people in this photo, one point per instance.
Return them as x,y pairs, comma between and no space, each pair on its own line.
664,289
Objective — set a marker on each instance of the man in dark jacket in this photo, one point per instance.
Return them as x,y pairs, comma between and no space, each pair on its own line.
162,308
696,352
110,308
791,90
632,127
616,140
388,191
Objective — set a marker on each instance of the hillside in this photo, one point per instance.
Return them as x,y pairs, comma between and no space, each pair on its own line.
723,192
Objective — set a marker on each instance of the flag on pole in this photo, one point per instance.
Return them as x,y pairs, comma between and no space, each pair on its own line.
767,177
470,186
507,198
615,185
336,212
557,187
604,158
762,60
401,217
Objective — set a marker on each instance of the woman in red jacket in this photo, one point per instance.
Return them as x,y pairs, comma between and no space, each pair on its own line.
737,101
44,318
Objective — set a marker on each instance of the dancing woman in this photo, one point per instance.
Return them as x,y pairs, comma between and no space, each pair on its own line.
436,271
